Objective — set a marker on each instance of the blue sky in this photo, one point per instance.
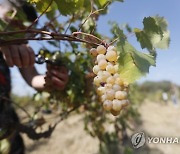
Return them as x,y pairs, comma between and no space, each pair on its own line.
133,12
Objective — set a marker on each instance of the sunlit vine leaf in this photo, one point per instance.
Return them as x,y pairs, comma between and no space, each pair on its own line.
67,7
133,64
154,33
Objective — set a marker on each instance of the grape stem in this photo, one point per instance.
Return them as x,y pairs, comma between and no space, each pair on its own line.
115,40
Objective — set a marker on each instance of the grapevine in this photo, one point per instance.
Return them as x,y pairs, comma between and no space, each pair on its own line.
101,69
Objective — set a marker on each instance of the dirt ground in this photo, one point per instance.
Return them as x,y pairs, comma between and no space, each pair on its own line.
70,138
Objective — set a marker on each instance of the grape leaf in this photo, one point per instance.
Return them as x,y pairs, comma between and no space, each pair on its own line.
150,26
67,7
154,33
144,39
161,43
132,63
161,22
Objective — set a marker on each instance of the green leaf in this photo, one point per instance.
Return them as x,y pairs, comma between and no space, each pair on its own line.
102,2
144,39
132,63
161,22
154,33
161,43
68,7
150,26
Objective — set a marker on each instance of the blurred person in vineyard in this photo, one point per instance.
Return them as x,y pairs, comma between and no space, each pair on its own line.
23,57
175,95
165,97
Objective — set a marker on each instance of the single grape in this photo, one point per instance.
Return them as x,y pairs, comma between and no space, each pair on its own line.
125,103
106,74
101,90
101,49
110,94
103,97
107,105
121,95
100,73
111,56
114,113
108,86
117,87
96,69
93,52
97,81
102,64
110,80
119,81
110,69
111,63
126,84
117,105
100,57
103,78
110,48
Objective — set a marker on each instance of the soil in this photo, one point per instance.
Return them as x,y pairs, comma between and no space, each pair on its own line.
158,119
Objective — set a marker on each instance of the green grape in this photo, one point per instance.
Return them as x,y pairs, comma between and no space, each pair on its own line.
96,69
121,95
110,48
110,80
114,113
100,57
102,64
111,56
107,105
101,90
119,81
93,52
101,49
110,94
100,73
110,69
103,97
125,103
106,74
97,81
116,87
108,86
117,105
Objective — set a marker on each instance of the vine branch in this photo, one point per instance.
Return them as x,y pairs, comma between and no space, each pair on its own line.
52,36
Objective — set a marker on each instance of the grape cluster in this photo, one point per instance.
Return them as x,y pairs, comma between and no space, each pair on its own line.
110,87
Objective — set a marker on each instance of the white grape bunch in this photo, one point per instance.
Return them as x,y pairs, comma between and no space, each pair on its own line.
111,89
